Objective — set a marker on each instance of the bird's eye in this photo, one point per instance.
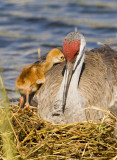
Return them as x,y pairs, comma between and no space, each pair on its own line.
62,57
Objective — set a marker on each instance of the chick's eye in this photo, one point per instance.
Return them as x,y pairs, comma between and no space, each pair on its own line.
62,57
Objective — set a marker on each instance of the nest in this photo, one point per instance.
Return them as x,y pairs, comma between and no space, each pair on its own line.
39,139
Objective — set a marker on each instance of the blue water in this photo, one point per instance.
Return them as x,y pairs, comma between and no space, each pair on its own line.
26,25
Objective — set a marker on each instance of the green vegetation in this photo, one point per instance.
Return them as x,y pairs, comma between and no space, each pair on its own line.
8,150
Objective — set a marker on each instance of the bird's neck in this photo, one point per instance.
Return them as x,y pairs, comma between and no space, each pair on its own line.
74,110
48,65
77,73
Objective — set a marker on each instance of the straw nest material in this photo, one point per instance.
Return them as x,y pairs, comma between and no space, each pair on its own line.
37,139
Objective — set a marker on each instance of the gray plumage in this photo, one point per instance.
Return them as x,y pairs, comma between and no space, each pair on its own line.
73,36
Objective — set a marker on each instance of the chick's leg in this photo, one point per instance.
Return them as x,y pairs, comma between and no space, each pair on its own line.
21,102
28,91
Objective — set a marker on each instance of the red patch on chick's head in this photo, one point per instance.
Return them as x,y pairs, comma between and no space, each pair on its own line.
70,49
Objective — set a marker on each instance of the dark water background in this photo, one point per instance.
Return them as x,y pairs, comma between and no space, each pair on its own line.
26,25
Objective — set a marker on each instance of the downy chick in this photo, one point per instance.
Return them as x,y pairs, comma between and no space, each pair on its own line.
33,75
